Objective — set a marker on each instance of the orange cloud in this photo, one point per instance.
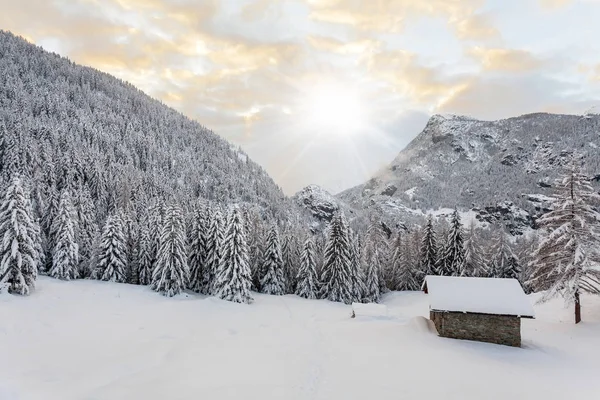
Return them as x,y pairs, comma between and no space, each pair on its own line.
509,60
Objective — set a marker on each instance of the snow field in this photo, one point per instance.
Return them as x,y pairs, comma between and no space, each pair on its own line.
97,340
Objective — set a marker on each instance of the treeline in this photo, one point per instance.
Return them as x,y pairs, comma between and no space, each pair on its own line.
227,252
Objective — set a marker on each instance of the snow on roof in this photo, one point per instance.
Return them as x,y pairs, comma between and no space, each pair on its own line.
478,295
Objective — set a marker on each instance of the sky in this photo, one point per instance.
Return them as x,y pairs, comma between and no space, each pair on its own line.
328,92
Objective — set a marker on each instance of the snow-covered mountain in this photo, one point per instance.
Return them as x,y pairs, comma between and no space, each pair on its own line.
65,126
497,170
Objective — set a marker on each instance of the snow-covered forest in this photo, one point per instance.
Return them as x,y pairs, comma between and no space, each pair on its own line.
101,182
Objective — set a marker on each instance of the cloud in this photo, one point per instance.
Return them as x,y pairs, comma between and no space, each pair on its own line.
553,4
510,60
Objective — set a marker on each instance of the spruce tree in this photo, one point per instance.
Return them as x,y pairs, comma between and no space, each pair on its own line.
566,260
474,256
65,257
452,261
214,241
410,277
394,274
273,280
111,264
145,256
86,231
377,238
290,252
429,250
197,248
171,274
337,265
233,279
357,274
307,278
19,252
372,268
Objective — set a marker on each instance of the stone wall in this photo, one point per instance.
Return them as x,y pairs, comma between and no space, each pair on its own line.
498,329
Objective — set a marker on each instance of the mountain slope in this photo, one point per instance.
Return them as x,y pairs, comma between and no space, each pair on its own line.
65,126
497,168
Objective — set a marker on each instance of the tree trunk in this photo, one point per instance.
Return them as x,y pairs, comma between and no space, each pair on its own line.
577,308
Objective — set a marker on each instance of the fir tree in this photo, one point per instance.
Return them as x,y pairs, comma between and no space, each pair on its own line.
337,266
171,274
273,280
429,250
214,240
307,273
19,252
111,262
290,253
452,262
233,279
197,248
65,257
474,263
377,238
394,274
566,260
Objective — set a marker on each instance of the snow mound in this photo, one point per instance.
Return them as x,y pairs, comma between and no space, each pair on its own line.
422,325
369,310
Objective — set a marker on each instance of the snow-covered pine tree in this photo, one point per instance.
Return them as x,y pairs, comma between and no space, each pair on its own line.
19,258
378,239
429,250
130,231
87,229
171,274
290,253
357,273
233,279
47,223
197,247
409,274
256,233
452,260
214,240
273,280
307,278
566,260
394,279
372,267
65,257
145,255
337,265
111,264
474,262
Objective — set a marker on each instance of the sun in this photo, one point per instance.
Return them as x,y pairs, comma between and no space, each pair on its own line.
334,108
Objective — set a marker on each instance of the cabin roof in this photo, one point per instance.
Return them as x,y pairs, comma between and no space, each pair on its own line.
494,296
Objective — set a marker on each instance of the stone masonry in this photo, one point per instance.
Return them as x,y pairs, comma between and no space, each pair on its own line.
499,329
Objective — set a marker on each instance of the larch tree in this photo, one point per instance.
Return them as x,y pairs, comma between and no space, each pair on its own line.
337,263
273,280
429,250
111,264
171,274
452,260
566,260
65,257
474,263
233,279
307,278
19,252
504,261
214,242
